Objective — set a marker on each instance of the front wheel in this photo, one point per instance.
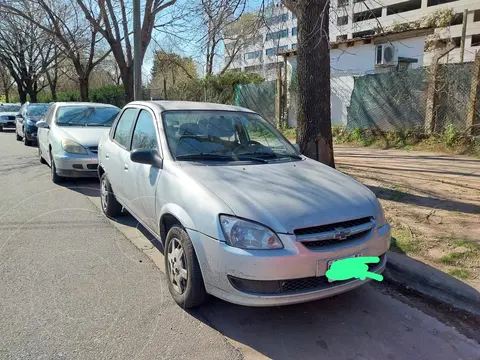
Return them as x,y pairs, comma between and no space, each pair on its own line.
110,206
18,137
53,172
185,281
42,160
25,140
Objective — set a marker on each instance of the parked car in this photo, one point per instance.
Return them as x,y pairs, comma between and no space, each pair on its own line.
7,115
68,137
241,214
26,120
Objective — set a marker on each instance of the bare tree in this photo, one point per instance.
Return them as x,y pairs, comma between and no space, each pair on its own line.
77,37
110,19
26,51
6,82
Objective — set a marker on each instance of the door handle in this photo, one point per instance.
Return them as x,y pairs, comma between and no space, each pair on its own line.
125,167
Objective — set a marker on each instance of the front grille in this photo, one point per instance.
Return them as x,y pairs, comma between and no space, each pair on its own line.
314,245
330,235
292,286
93,149
332,227
92,166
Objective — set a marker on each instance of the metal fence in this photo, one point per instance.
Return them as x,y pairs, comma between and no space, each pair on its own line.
259,98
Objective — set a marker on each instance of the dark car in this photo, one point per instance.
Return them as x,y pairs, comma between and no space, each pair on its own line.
26,119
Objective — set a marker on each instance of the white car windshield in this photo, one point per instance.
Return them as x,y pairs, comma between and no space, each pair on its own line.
37,110
224,135
86,115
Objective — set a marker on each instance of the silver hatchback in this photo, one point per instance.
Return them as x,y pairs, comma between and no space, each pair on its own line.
241,214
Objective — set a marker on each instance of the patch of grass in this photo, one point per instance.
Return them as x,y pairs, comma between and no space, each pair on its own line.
402,241
460,273
289,133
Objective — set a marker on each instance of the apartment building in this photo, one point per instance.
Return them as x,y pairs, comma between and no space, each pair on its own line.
353,25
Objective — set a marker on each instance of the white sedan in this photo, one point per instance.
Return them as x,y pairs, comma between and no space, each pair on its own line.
68,137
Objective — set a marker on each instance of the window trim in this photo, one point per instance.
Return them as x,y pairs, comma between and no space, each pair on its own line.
115,125
155,125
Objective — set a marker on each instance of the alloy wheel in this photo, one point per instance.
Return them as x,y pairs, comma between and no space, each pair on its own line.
177,266
104,194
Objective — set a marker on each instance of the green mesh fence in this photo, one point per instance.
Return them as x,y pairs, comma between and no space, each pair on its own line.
259,98
396,101
389,102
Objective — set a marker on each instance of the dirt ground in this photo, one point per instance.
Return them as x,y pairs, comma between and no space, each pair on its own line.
431,200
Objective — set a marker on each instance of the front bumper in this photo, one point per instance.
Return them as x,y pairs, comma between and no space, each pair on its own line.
300,269
76,165
7,124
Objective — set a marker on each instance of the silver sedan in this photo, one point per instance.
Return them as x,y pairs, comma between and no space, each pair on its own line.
68,137
241,214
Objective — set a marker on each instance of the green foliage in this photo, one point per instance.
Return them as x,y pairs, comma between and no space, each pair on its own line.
110,94
450,140
215,88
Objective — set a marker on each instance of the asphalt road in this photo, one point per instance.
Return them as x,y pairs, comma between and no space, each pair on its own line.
73,287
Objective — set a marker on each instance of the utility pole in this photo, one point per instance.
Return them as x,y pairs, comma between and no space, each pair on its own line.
137,64
464,31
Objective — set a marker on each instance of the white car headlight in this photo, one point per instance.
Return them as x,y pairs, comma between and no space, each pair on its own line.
73,147
379,214
248,235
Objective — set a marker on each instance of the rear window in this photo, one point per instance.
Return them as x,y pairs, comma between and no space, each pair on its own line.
86,115
9,108
37,110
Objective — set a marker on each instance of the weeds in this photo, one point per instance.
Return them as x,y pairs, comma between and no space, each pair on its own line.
460,273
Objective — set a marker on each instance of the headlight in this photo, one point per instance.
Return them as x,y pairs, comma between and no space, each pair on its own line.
379,214
248,235
73,147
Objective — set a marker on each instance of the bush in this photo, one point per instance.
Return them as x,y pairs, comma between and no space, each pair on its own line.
214,88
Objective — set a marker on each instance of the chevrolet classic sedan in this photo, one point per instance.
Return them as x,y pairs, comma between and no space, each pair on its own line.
241,214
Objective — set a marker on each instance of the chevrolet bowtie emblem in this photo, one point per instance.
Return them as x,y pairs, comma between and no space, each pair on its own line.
341,234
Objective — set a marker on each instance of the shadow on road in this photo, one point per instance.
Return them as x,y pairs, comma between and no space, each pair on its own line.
86,186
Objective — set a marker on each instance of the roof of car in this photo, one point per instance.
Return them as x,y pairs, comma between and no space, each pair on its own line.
190,105
74,103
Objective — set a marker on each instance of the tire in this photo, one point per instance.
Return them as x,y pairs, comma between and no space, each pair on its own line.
42,160
189,292
26,142
110,206
18,137
53,172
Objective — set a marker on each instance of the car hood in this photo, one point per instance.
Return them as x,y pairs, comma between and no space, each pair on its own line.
287,196
86,136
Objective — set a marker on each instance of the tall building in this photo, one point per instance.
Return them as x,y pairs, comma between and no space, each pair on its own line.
357,46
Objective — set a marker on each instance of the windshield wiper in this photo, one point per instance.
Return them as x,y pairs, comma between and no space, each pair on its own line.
271,155
213,156
96,124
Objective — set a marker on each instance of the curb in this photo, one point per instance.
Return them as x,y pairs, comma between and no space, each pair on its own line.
431,283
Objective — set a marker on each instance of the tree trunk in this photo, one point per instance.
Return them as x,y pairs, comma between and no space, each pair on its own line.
83,83
314,129
22,94
127,79
7,95
53,90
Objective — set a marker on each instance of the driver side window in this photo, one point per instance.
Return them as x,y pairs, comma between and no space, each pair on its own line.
144,134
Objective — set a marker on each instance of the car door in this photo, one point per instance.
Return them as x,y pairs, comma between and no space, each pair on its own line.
116,152
42,134
19,119
141,179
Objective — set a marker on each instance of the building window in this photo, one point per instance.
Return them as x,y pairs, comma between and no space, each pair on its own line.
294,16
476,40
457,41
378,55
283,48
439,2
342,20
294,46
476,15
341,37
294,31
342,3
270,52
253,55
404,6
363,34
367,15
277,35
277,19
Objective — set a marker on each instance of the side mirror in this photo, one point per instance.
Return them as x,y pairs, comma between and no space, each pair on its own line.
297,147
42,124
147,157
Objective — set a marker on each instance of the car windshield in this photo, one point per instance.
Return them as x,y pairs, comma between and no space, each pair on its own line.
85,115
37,110
9,108
224,136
